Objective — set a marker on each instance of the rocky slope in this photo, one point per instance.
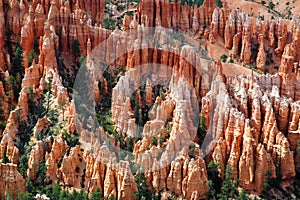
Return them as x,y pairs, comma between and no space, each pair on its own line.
153,86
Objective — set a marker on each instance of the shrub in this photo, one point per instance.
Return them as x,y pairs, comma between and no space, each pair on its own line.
72,141
219,3
223,58
81,60
168,129
199,2
154,140
111,197
25,196
243,195
192,151
213,166
109,23
172,196
271,5
2,126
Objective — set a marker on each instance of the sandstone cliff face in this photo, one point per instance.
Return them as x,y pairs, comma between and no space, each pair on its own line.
72,167
27,37
2,35
80,20
183,17
261,56
293,130
11,182
4,102
252,147
240,32
36,155
54,157
253,121
163,177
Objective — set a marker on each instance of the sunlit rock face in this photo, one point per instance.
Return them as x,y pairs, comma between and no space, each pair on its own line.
150,91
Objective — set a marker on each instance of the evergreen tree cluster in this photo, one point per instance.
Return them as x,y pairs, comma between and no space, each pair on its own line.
226,189
141,112
143,191
16,68
57,193
34,53
230,184
192,2
109,23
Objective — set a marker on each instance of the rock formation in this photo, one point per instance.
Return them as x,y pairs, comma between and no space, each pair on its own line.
2,35
261,56
11,182
252,120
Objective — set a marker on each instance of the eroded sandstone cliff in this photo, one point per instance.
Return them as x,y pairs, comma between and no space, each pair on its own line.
252,120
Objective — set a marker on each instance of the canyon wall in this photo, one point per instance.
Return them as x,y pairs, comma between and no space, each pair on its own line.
11,181
253,121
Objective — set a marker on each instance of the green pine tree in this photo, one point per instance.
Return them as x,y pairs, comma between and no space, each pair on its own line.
202,129
230,184
49,92
96,195
81,60
219,3
75,49
64,195
143,191
23,165
211,191
199,2
25,196
55,191
29,186
31,57
17,62
109,24
41,173
243,195
111,197
8,42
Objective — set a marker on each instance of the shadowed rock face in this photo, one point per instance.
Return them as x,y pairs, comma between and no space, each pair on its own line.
2,35
252,120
